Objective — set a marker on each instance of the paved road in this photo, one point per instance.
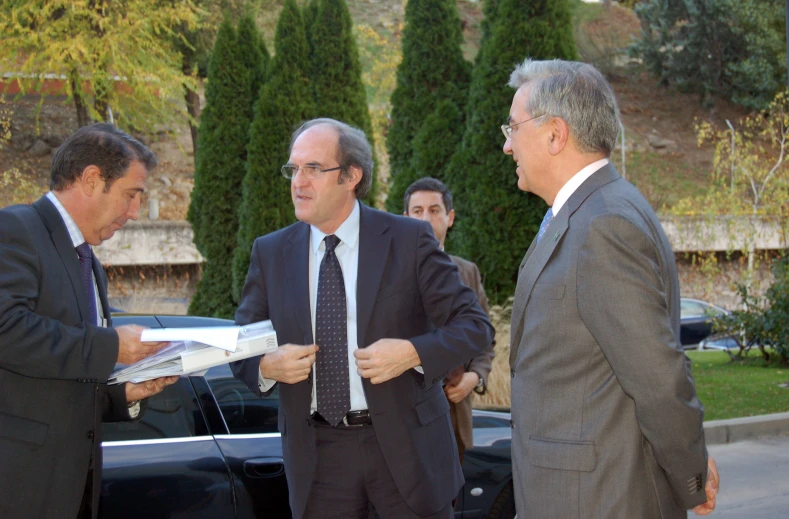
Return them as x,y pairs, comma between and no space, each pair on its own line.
754,479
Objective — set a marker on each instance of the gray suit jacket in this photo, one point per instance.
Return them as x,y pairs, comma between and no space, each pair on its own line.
406,288
606,422
53,369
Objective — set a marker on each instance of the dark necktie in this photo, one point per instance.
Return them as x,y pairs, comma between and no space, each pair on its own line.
85,254
544,225
333,387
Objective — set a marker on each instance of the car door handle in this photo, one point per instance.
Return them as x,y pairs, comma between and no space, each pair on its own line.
264,467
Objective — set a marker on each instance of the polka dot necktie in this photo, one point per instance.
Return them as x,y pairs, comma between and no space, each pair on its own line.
544,225
86,265
332,384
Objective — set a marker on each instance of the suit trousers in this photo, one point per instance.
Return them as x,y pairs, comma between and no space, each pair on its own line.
352,476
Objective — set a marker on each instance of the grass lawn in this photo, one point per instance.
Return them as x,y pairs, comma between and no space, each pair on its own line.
732,390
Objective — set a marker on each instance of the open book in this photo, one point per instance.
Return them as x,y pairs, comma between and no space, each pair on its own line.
194,350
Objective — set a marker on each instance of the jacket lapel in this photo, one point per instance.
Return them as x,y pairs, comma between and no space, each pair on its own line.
297,264
374,241
538,254
65,249
534,263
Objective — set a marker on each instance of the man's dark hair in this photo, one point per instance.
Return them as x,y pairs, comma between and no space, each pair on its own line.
353,149
429,184
101,145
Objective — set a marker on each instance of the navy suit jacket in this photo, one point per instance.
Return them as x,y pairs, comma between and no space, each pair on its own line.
53,369
406,288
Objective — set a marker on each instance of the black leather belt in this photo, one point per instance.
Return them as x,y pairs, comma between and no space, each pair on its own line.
352,419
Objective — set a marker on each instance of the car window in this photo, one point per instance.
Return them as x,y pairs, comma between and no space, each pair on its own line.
692,309
173,413
244,412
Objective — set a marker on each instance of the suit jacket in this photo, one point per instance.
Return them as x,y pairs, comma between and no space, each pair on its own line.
406,288
53,369
606,422
481,364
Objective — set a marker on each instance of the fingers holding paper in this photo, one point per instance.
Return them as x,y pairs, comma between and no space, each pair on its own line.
148,388
712,487
289,364
130,348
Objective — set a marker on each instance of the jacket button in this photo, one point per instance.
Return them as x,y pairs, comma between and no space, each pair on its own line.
512,373
309,424
90,435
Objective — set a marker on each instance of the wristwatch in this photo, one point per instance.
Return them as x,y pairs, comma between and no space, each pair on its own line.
134,408
480,384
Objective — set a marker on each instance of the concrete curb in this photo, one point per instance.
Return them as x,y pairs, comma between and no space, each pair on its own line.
736,429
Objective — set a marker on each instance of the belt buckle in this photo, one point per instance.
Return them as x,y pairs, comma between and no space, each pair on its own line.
345,421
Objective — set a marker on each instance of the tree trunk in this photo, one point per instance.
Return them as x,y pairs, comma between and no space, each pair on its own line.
193,107
79,102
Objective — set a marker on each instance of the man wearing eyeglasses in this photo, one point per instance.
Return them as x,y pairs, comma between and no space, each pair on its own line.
371,316
606,420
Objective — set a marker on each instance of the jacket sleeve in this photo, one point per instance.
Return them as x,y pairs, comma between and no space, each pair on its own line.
253,308
462,330
34,345
482,363
624,303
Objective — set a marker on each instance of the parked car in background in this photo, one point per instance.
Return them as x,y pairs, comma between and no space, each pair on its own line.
207,447
696,323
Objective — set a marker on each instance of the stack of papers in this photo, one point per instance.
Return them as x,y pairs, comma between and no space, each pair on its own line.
194,350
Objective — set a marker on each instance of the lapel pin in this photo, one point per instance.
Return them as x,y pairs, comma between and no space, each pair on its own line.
556,236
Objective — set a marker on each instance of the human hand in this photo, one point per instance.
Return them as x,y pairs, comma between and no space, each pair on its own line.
458,390
711,489
148,388
290,363
130,349
385,359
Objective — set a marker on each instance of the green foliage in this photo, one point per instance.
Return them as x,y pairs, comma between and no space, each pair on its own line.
434,144
496,222
285,101
731,48
432,70
93,46
254,53
336,72
219,170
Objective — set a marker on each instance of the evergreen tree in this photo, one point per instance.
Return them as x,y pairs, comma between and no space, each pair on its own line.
336,72
219,169
310,15
254,53
432,69
436,142
285,102
496,220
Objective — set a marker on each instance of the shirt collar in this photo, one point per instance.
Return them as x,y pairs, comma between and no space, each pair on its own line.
574,183
76,235
348,232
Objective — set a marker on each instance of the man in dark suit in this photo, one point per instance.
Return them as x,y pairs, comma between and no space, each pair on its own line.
606,421
55,352
371,316
429,199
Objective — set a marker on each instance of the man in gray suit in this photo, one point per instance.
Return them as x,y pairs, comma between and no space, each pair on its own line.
607,422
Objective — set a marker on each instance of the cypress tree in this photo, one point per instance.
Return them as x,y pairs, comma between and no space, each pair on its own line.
285,102
254,53
432,69
219,167
337,73
496,220
436,141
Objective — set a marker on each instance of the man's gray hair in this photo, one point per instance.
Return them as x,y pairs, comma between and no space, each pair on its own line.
575,92
353,149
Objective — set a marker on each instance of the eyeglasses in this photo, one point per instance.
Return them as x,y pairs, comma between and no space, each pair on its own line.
506,129
312,171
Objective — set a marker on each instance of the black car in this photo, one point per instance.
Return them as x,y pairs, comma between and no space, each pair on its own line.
696,321
208,447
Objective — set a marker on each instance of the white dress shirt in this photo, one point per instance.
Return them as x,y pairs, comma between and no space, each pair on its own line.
347,252
574,183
